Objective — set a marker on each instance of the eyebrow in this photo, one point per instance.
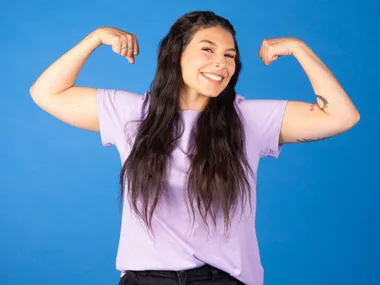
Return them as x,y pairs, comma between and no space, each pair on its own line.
214,44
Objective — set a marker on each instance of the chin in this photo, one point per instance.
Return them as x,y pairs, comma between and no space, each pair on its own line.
210,93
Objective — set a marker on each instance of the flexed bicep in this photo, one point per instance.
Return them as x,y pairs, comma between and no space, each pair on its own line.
75,106
307,122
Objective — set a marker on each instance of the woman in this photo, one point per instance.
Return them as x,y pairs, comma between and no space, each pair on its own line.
190,146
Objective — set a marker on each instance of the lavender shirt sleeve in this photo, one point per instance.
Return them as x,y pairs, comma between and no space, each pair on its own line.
115,109
264,118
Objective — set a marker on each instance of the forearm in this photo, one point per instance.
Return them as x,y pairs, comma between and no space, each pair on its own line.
63,73
331,97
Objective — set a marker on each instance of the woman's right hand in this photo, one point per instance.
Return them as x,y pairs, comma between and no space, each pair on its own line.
123,43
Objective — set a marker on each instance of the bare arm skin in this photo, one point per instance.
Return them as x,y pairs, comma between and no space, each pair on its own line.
334,112
54,90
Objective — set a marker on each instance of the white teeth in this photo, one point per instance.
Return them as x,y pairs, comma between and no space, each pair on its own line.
213,76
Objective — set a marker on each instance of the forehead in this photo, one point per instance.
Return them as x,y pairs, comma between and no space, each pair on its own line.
218,35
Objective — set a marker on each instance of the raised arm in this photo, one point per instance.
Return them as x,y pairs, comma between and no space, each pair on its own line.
332,113
54,90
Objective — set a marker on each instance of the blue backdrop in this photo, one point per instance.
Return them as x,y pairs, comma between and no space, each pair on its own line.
318,216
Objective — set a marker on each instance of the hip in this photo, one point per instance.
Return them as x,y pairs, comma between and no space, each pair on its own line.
204,275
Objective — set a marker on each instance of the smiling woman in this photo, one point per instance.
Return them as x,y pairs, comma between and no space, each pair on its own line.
207,66
190,147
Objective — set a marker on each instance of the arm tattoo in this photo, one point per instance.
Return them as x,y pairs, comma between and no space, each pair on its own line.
310,140
324,101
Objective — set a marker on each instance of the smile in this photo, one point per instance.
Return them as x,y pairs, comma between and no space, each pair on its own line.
212,77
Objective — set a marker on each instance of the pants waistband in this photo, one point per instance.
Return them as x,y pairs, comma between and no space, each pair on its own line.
205,270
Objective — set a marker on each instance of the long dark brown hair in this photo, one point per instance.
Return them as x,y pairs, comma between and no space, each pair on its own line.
217,177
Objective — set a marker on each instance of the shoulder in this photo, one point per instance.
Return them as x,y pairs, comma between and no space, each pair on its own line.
259,109
120,95
122,102
242,103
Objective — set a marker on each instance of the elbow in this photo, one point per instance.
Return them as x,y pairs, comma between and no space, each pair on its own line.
34,94
32,91
343,124
352,120
355,118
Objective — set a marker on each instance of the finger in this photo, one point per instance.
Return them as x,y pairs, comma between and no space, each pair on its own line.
116,46
270,54
123,46
136,47
130,48
265,54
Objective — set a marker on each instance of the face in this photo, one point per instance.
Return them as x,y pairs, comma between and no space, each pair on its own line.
208,63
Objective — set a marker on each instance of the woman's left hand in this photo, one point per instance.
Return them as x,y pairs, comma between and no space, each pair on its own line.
271,49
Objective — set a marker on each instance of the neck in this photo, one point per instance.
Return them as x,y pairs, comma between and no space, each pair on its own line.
192,100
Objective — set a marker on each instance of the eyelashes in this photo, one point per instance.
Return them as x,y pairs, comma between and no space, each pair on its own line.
227,54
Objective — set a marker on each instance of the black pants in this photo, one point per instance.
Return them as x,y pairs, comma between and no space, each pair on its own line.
205,275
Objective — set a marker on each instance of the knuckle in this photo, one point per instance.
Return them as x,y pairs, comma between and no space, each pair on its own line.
118,38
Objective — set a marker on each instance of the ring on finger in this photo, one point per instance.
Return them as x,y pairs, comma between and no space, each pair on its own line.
126,47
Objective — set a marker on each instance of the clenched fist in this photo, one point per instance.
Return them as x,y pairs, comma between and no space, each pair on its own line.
271,49
123,43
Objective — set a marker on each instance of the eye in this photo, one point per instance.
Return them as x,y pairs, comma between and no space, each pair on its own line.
207,49
229,55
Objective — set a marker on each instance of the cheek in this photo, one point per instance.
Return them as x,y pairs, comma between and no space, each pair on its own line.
192,66
231,69
188,71
198,63
202,59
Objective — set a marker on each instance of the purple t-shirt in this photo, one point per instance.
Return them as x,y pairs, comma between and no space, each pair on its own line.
178,244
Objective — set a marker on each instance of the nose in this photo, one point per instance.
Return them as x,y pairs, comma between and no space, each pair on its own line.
219,61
